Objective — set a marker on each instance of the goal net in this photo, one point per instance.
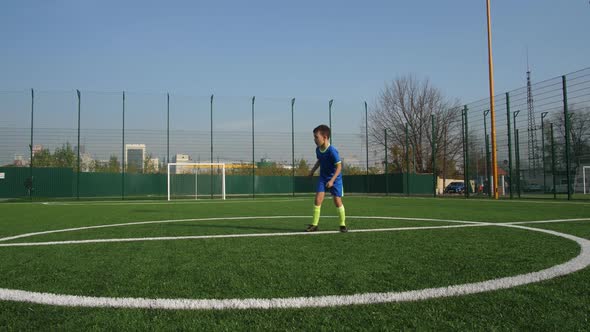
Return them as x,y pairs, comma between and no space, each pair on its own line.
196,180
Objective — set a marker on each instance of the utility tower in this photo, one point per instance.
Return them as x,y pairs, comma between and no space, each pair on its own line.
533,153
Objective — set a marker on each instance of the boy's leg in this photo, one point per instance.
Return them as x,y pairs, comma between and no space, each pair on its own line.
341,211
337,193
319,198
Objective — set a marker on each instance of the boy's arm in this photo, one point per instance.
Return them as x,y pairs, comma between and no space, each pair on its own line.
315,167
336,173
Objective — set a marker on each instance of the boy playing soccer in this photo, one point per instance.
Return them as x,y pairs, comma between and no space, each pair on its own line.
330,177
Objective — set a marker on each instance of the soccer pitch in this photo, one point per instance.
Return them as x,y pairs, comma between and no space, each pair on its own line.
242,264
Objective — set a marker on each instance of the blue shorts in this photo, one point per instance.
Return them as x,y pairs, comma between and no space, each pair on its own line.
336,190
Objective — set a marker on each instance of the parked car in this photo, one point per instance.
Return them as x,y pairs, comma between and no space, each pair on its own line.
455,188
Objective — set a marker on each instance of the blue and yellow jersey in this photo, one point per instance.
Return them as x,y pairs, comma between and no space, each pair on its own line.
329,159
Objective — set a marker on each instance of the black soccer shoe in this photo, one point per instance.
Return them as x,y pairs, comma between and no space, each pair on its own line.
312,228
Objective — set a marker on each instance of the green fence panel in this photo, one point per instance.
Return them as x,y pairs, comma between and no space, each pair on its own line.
100,185
12,185
274,185
421,184
149,185
305,184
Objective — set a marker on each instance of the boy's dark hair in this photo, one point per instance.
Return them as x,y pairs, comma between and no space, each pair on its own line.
323,130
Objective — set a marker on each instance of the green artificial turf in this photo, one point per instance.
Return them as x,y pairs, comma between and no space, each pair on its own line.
293,266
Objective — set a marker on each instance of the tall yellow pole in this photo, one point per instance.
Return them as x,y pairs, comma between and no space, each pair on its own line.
492,103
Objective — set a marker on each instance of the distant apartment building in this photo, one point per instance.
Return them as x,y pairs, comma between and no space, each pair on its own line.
20,161
37,148
134,156
182,158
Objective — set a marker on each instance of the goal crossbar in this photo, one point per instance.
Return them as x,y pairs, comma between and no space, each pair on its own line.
197,166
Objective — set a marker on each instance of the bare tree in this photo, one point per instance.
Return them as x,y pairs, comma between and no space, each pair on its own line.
410,101
579,134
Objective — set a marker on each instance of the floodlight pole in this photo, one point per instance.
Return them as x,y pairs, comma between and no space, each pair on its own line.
492,103
543,115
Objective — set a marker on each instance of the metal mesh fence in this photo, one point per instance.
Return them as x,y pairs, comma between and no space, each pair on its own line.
117,144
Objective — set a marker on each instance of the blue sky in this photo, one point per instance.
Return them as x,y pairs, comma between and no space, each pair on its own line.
311,50
325,49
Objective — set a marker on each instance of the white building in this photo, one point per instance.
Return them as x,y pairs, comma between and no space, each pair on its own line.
134,156
182,158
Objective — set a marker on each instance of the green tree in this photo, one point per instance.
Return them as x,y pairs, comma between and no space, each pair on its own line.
65,157
112,166
302,168
148,166
43,158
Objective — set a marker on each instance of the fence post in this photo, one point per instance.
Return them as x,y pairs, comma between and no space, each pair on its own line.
566,119
543,115
78,148
211,166
488,166
488,159
553,163
517,153
253,161
330,120
464,149
293,146
30,189
467,182
511,186
386,163
367,149
123,153
167,128
407,162
433,157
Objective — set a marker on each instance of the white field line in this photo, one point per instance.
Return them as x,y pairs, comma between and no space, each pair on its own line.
546,221
580,262
231,236
460,199
193,202
213,219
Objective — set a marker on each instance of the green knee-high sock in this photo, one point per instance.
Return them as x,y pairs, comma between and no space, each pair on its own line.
316,215
342,215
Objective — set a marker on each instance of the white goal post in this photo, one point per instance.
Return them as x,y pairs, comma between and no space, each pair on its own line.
193,169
